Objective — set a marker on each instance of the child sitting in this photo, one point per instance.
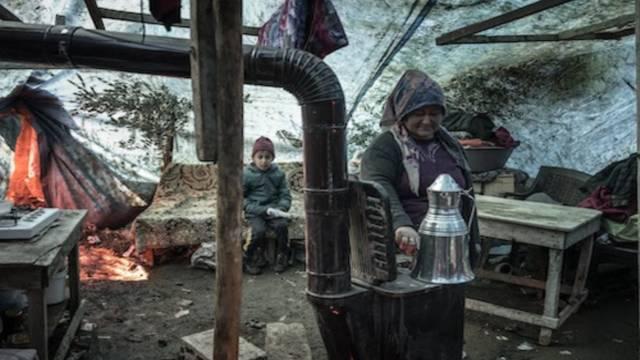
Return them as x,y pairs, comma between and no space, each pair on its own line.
266,202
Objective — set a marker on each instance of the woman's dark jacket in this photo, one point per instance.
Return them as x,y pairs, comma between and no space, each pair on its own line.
382,163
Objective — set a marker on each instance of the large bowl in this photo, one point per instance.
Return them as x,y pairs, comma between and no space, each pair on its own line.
483,159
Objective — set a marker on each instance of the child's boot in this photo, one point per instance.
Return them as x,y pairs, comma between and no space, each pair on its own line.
261,260
282,261
251,265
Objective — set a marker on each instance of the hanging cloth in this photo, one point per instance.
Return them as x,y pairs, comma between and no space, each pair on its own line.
310,25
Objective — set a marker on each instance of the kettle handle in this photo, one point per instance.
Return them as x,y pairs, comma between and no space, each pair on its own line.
467,193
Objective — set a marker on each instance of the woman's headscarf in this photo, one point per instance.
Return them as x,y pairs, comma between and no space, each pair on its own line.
413,91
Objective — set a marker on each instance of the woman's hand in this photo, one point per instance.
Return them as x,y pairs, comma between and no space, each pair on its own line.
407,239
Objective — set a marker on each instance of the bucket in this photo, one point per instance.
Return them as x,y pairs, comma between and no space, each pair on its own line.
54,293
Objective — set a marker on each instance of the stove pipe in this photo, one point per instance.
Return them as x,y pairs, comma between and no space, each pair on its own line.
309,79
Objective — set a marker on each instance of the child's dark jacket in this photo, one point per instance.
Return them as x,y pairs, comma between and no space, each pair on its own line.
265,189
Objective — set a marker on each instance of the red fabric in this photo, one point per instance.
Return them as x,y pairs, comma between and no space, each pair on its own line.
263,144
54,169
502,137
600,199
25,187
77,179
474,143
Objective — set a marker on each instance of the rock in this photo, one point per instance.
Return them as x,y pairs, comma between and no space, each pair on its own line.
185,303
200,346
87,326
525,346
181,313
287,342
256,324
134,338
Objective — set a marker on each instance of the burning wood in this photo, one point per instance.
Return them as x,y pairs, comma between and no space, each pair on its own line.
104,264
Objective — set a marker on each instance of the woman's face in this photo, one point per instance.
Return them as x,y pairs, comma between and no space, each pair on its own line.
423,123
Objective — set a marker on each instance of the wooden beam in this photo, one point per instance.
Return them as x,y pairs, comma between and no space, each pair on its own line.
619,34
618,22
496,21
486,39
638,134
65,344
147,18
495,39
6,14
229,74
511,314
136,17
94,12
203,79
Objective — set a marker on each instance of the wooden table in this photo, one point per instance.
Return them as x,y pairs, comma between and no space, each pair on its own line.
554,227
29,264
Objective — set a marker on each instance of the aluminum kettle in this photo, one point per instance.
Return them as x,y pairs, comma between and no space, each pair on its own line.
443,255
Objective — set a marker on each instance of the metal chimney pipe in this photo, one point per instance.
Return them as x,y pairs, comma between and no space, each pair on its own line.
304,75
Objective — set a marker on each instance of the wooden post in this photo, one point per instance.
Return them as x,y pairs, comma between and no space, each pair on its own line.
638,122
203,52
229,76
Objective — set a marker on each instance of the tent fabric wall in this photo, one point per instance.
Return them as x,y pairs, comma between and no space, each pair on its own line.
70,175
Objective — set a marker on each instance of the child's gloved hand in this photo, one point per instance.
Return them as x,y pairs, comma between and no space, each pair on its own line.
278,213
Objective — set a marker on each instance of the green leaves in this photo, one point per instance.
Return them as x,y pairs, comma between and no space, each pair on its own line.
149,110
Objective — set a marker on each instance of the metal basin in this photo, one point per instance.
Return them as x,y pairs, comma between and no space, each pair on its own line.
483,159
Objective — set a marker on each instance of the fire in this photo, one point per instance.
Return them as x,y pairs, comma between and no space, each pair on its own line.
98,263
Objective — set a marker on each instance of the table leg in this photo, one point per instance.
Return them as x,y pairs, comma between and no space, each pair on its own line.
74,280
485,245
37,322
552,292
583,267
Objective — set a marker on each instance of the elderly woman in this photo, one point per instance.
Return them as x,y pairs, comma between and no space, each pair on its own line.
412,153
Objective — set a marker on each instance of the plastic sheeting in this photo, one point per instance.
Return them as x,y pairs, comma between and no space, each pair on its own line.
310,25
53,169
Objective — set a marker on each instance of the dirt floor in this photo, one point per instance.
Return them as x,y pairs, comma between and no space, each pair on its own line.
142,315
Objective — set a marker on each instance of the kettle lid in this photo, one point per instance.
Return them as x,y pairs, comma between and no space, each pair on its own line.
445,183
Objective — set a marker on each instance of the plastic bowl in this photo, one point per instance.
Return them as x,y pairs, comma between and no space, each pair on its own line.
483,159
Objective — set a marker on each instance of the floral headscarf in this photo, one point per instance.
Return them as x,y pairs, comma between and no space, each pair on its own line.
413,91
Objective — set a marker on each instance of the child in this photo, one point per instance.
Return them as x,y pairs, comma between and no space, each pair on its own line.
266,202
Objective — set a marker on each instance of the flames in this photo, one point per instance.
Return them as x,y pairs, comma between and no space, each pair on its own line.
99,263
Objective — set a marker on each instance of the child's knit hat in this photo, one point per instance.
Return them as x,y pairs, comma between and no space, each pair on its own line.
263,144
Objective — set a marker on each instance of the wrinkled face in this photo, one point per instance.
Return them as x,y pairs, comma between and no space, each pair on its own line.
262,159
423,123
